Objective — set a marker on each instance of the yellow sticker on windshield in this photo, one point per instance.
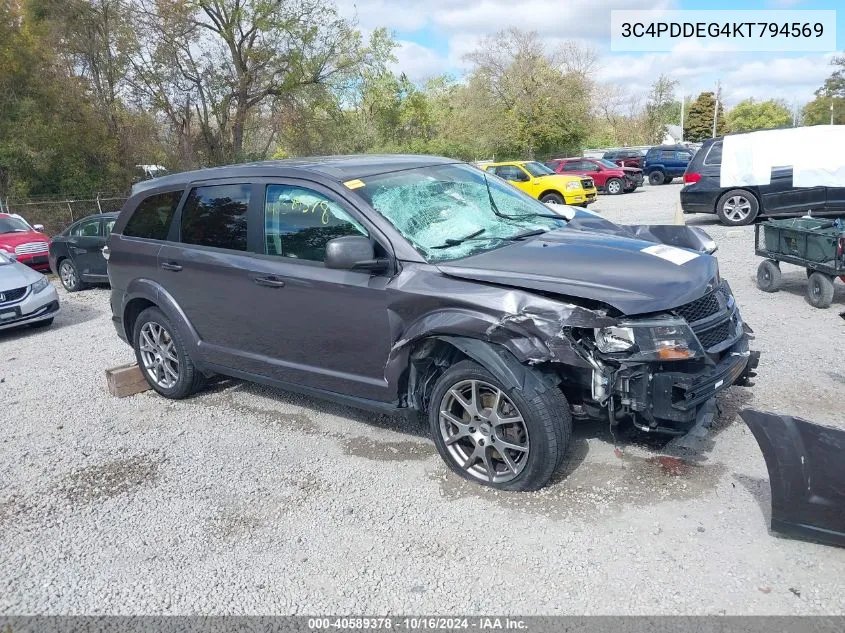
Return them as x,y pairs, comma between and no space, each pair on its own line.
354,184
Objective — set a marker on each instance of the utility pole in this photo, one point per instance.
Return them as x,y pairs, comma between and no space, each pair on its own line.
718,95
831,109
683,98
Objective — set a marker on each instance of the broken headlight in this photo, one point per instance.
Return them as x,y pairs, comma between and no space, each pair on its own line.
653,339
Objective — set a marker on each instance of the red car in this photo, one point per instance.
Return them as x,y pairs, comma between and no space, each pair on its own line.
609,176
30,246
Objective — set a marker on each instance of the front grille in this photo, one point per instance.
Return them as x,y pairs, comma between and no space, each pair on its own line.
7,296
32,247
700,309
587,183
720,333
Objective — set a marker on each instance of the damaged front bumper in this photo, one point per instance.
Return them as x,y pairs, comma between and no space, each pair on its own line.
663,400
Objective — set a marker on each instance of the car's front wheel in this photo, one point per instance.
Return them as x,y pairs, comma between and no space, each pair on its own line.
554,198
501,437
163,356
614,186
70,276
655,178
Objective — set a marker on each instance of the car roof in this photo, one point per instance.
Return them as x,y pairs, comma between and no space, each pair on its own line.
339,168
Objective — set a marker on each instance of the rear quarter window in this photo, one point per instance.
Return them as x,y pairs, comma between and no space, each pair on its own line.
714,155
153,215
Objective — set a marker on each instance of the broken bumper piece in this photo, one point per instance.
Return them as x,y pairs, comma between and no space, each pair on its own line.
669,402
806,474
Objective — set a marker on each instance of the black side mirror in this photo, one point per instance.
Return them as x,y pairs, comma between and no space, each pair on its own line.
353,252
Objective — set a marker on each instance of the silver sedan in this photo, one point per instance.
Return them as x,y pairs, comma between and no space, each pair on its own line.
26,297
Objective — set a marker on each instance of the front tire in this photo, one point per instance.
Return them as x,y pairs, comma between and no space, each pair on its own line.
505,438
554,198
768,276
655,178
163,356
667,180
614,186
737,207
70,276
820,290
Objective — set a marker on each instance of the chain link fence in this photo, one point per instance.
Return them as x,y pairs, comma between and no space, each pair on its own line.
57,215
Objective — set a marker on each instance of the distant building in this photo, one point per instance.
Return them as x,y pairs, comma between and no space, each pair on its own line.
673,135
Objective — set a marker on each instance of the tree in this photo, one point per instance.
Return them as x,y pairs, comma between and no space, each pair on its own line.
699,122
538,108
750,115
213,64
661,109
830,98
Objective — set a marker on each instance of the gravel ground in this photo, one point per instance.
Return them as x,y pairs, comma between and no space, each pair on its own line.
248,500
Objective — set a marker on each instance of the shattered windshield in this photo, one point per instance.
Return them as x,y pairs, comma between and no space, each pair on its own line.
445,211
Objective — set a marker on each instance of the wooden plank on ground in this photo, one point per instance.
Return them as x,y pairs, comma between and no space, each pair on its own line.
126,380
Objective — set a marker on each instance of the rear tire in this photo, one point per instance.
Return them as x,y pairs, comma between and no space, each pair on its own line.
466,414
614,186
163,356
768,276
737,207
69,276
554,198
820,290
655,178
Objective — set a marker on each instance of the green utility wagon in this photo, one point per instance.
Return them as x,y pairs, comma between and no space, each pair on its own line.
813,243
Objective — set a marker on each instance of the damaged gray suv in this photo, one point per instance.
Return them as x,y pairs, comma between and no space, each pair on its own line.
423,285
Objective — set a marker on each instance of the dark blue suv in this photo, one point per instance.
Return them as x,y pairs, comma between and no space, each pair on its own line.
664,163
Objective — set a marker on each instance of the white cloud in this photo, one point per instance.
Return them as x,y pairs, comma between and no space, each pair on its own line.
461,26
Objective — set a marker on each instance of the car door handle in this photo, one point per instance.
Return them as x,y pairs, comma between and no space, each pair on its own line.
171,266
270,281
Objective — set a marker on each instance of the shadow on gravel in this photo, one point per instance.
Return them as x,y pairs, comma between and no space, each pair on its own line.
68,315
795,283
761,491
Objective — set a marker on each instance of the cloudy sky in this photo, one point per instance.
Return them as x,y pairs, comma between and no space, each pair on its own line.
436,34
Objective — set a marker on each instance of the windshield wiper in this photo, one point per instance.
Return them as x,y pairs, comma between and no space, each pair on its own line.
498,213
526,234
449,242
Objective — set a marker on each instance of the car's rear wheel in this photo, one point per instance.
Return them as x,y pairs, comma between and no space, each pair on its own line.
614,186
655,178
820,290
768,276
737,208
70,276
554,198
163,356
490,434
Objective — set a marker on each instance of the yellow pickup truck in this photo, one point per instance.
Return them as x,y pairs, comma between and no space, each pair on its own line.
542,183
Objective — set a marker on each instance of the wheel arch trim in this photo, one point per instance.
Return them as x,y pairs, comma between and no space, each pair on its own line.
151,291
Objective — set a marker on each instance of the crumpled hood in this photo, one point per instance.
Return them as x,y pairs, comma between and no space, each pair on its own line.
632,275
631,170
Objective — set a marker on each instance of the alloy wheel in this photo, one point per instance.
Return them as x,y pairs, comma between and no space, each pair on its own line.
484,432
159,355
737,208
614,187
67,274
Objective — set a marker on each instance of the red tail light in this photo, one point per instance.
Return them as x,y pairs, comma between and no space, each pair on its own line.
840,249
691,178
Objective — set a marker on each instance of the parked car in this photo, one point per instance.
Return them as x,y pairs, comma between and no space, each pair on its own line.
27,242
737,206
608,176
26,297
540,182
664,163
76,253
420,285
625,157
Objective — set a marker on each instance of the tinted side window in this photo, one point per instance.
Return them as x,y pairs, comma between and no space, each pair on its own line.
573,165
108,225
714,155
152,217
216,216
90,228
300,222
684,155
667,154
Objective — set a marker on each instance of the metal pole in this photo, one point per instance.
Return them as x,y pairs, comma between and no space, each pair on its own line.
716,108
71,213
831,109
682,115
99,208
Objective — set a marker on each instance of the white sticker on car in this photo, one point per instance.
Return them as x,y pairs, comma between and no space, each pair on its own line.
672,254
